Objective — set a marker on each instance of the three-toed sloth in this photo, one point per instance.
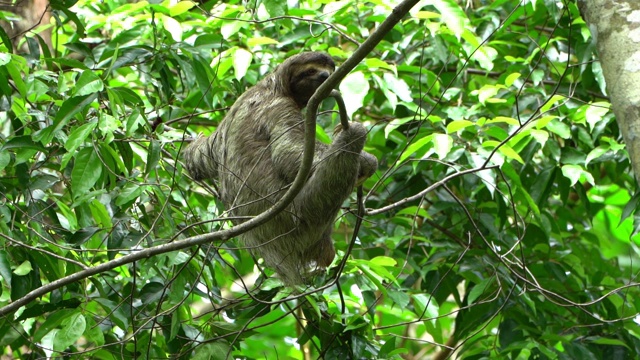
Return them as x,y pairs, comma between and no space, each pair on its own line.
255,154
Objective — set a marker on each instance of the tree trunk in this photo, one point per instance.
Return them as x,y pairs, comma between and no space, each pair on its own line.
32,13
615,27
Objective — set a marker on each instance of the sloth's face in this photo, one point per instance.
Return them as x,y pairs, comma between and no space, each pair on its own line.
306,78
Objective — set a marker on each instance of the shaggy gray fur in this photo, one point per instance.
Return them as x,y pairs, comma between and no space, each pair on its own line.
255,154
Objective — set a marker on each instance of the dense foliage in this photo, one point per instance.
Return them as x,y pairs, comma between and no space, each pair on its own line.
500,223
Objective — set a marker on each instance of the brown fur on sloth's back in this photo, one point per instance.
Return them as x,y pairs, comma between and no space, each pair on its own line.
255,155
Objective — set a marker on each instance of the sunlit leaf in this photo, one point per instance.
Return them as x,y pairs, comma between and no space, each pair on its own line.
181,7
551,102
576,173
384,261
508,151
596,153
354,88
457,125
241,61
541,136
451,14
596,112
442,144
426,15
398,86
415,147
509,80
173,27
261,40
373,63
23,269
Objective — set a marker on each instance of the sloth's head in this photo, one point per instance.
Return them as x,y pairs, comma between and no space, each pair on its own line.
304,73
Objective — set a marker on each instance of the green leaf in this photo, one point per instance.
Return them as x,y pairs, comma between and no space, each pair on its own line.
260,40
487,92
71,330
83,235
575,173
503,149
22,142
51,322
314,305
219,350
129,97
508,152
5,89
425,307
457,125
400,298
631,207
77,138
375,63
79,25
415,147
606,341
116,313
173,27
6,42
15,70
88,83
86,171
503,119
384,261
5,267
479,289
204,79
151,292
392,98
394,124
596,67
596,153
596,113
559,128
23,269
275,7
5,159
551,102
181,7
129,192
153,156
509,80
426,15
541,136
41,309
94,334
69,109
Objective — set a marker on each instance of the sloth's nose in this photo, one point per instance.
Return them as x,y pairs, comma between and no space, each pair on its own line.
323,75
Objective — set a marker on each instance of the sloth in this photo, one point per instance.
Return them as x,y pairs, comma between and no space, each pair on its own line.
255,154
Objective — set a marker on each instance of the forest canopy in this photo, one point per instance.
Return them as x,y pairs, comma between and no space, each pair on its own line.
501,222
